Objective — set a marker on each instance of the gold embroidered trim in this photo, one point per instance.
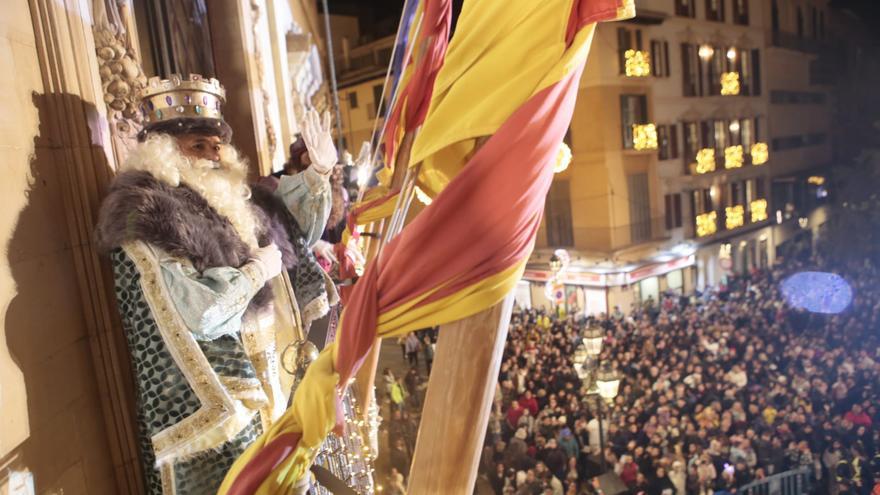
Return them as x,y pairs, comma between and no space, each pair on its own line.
220,418
255,274
169,486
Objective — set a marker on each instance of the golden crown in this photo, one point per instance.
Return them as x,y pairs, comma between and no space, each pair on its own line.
177,97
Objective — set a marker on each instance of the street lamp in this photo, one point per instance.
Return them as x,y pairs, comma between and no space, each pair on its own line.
608,383
592,340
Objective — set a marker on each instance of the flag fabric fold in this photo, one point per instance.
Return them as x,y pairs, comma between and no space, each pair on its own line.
468,248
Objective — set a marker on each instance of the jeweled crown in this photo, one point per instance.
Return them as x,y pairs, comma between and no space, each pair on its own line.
178,97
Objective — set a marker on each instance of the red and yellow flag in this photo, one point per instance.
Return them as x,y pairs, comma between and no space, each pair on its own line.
512,73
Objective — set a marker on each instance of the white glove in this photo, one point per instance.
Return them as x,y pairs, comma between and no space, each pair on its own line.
319,142
269,259
325,250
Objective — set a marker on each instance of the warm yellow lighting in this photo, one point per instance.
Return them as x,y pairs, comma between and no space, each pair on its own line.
733,157
638,63
724,251
734,217
707,224
730,83
644,136
731,53
705,161
422,196
816,180
706,52
734,126
760,153
758,208
563,158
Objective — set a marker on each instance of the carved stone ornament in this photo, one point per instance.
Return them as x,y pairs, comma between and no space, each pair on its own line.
119,67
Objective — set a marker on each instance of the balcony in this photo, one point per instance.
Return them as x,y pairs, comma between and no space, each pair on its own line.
780,39
644,137
611,239
637,63
734,157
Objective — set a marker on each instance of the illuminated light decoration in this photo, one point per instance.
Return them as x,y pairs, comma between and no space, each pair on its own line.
734,126
564,257
731,53
644,137
760,153
563,158
758,209
554,289
706,52
734,217
637,64
816,180
724,251
778,216
730,83
817,292
707,224
705,161
733,156
363,175
804,222
422,196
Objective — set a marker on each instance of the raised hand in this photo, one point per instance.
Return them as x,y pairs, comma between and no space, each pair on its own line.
319,142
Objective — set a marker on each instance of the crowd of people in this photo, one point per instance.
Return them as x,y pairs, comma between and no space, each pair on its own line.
718,390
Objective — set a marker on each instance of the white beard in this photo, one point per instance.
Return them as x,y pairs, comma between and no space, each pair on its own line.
224,187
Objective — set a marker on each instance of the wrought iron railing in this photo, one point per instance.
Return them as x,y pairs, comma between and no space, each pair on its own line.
794,482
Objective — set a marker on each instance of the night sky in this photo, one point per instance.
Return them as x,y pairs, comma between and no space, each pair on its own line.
380,17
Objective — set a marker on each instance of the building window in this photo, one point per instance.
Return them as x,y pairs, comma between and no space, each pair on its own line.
815,23
800,22
715,10
692,71
353,100
741,12
755,67
639,207
377,97
673,211
185,49
716,65
558,215
627,39
774,16
633,110
667,137
691,133
660,58
686,8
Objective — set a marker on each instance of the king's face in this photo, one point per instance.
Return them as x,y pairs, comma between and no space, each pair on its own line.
200,147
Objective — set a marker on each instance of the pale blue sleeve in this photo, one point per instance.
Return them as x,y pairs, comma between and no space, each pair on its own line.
213,302
307,197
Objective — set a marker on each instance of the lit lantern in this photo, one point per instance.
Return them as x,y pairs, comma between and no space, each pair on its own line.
758,208
705,161
760,153
706,52
422,196
644,137
733,157
563,158
637,63
608,383
734,217
707,224
730,83
592,340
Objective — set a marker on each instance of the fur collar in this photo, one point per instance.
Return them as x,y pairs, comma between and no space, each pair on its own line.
181,222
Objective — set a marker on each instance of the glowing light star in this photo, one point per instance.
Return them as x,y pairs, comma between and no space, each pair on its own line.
563,158
705,161
733,156
817,292
644,137
733,217
730,84
638,63
760,153
758,208
707,224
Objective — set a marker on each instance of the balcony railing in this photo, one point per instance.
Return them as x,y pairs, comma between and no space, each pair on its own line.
791,41
609,239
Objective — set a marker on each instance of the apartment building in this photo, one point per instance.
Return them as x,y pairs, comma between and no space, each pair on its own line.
700,146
